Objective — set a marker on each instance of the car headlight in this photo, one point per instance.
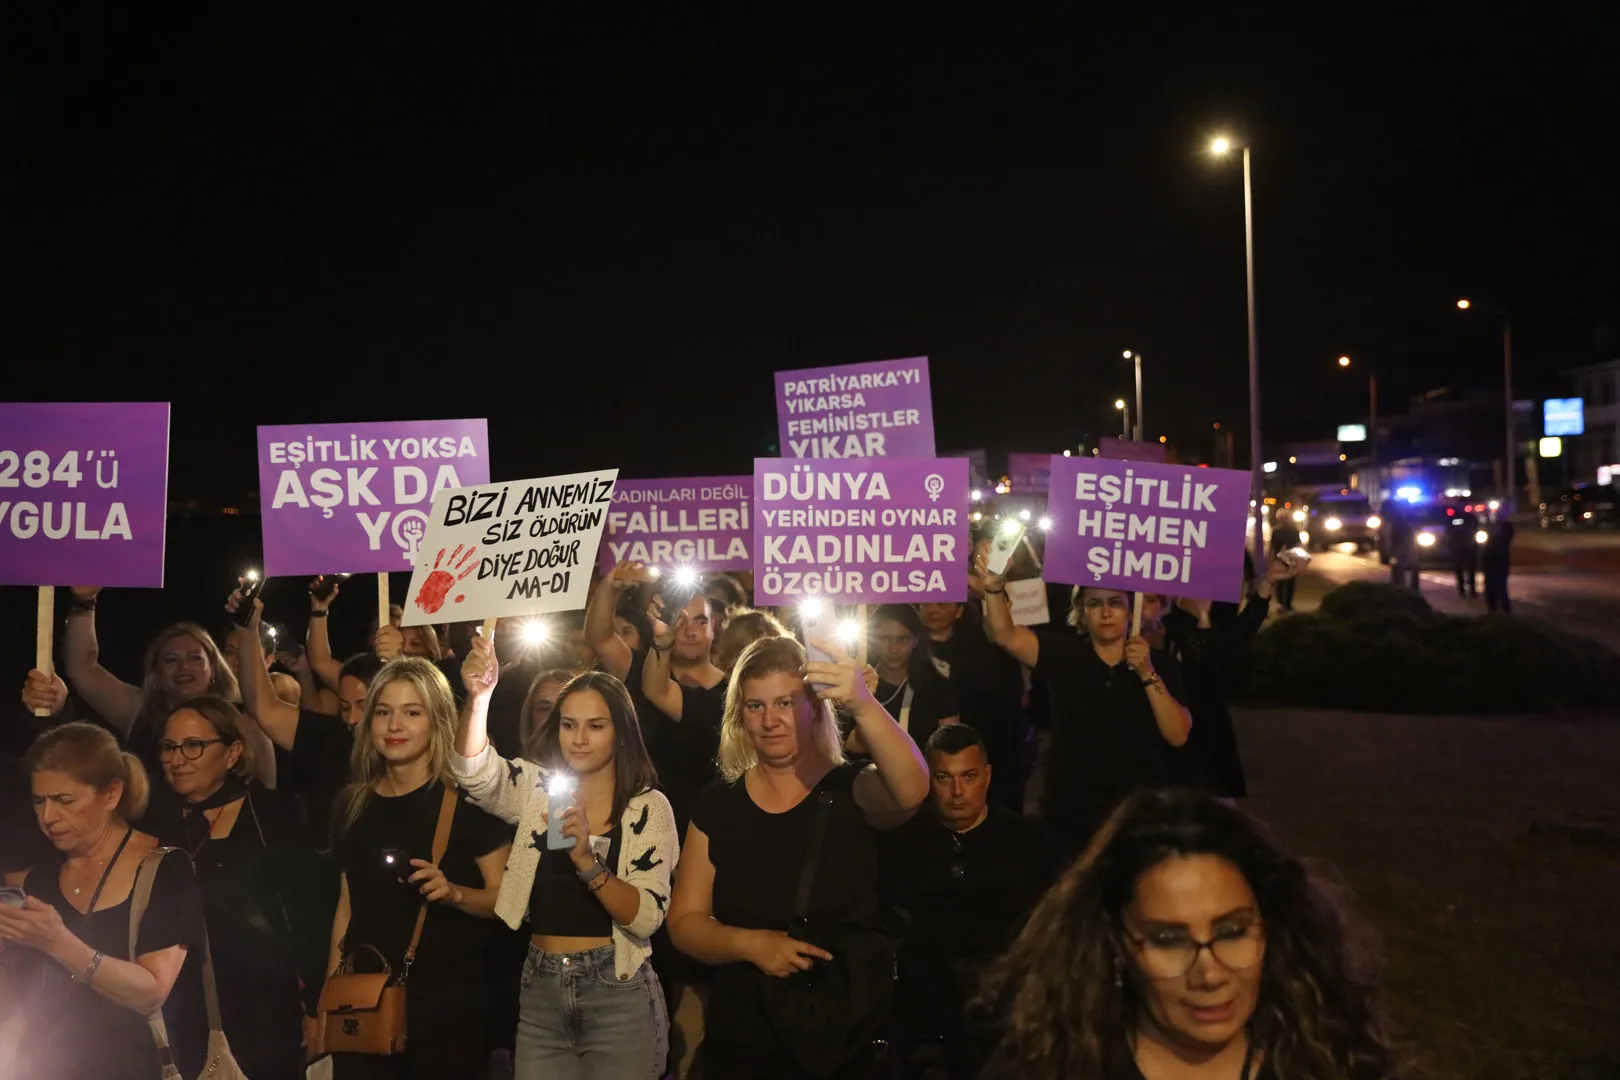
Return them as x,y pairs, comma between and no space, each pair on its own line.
1480,537
1425,539
1374,521
1332,524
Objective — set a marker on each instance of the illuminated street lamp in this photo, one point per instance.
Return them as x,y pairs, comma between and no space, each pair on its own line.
1220,146
1372,432
1138,358
1125,419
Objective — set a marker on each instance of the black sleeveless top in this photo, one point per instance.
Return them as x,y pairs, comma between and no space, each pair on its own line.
561,905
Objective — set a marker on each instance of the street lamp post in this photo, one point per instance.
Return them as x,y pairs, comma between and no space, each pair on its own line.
1507,401
1372,432
1124,419
1219,147
1140,425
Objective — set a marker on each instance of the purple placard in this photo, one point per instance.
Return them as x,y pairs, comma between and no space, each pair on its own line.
1171,529
1125,450
84,492
883,409
861,532
1029,474
354,498
701,522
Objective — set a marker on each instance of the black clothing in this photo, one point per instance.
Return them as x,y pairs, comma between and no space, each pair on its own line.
1497,559
561,905
91,1037
1123,1068
960,898
1105,741
919,703
989,689
316,769
757,859
268,924
448,996
683,751
1214,663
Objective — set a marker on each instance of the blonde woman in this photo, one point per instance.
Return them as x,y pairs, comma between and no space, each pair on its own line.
181,662
87,793
782,767
385,821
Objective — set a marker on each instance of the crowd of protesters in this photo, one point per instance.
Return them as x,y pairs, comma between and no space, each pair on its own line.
670,842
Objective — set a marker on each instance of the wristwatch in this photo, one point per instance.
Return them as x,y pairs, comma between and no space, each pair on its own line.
596,871
1152,680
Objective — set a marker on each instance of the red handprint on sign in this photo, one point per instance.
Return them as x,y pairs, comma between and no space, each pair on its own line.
438,584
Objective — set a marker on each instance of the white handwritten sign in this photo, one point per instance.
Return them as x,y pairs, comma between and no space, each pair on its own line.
517,548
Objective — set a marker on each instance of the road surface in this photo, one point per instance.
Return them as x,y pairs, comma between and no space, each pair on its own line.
1570,579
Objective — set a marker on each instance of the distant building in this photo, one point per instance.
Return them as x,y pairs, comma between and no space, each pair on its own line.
1599,448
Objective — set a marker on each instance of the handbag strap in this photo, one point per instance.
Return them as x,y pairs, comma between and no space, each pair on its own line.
140,900
812,858
441,842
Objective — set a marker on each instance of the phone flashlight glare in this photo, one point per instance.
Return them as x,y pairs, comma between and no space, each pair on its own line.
560,784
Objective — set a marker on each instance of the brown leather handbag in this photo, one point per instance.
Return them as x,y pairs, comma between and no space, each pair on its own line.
365,1013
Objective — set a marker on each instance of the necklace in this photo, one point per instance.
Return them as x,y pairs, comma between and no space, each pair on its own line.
886,702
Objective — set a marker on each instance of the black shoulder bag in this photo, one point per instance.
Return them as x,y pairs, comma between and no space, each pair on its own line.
829,1015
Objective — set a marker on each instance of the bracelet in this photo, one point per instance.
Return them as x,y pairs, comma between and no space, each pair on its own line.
657,648
318,613
90,970
996,592
601,882
596,871
81,607
1153,680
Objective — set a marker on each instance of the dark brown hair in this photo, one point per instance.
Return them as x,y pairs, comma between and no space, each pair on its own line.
1318,1016
633,771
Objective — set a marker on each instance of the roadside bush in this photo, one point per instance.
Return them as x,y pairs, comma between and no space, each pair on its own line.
1380,648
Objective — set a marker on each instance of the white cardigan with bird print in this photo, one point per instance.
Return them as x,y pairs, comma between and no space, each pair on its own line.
515,791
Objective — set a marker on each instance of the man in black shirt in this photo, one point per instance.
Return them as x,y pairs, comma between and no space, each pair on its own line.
960,877
1116,705
989,689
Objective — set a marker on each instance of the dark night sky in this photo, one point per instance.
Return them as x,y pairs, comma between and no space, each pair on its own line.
606,232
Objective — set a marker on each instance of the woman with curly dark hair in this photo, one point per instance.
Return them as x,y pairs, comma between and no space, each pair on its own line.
1186,943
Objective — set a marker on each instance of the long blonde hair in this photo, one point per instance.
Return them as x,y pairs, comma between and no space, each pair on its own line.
769,656
155,709
366,764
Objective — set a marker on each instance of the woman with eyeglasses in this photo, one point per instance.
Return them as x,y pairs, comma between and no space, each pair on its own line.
261,890
1186,943
1116,705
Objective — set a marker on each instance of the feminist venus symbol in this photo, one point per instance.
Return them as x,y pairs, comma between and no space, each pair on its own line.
430,598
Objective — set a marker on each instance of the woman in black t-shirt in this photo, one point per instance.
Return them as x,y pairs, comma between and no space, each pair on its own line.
73,1000
751,833
910,688
385,824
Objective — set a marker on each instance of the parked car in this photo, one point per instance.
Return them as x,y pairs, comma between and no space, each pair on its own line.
1584,506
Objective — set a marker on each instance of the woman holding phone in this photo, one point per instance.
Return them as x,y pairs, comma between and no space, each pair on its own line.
386,822
753,832
596,846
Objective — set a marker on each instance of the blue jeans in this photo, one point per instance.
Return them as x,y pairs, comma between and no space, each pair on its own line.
578,1020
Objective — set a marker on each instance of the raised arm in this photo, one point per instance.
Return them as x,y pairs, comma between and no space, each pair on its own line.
317,642
658,685
610,649
493,783
114,700
1172,718
480,673
276,720
1019,642
890,789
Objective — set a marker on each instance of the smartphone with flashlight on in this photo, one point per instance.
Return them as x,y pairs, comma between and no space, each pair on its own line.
396,862
325,585
252,585
561,790
820,622
676,591
1009,534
